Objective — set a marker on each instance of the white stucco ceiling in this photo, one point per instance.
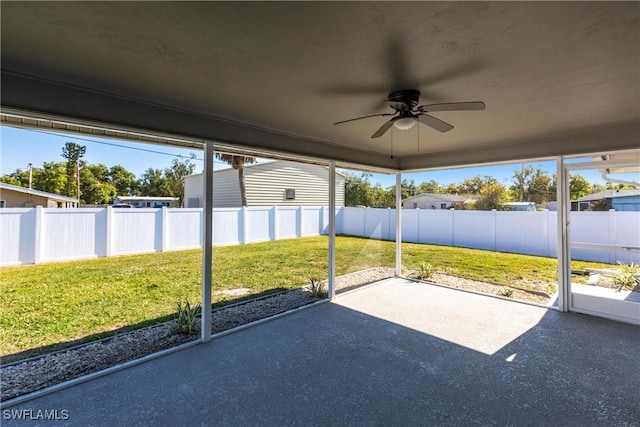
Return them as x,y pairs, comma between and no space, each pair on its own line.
557,77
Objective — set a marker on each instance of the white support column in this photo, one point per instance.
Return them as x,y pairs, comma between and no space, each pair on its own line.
332,230
564,252
207,243
244,219
398,224
300,232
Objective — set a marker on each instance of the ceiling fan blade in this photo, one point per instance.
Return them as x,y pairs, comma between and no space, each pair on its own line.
384,128
364,117
431,121
452,106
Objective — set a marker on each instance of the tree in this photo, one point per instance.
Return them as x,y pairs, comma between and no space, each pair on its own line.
94,185
578,187
409,188
73,153
383,198
430,186
124,181
52,178
522,179
539,190
475,184
175,174
153,183
18,177
492,196
238,162
357,190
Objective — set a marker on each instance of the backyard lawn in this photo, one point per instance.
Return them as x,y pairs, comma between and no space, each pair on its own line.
48,306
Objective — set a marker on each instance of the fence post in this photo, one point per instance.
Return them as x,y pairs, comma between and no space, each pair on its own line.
164,229
244,233
107,231
301,223
495,228
275,223
613,234
37,234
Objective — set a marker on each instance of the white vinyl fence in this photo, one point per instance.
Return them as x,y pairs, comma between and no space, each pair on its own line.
531,233
36,235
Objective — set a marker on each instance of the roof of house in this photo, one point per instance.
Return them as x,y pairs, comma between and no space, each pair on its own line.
33,192
610,194
253,165
145,198
439,197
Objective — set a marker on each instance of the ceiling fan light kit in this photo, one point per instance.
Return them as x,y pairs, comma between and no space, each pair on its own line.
405,102
404,123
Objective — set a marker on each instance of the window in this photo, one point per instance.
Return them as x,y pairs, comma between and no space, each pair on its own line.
443,206
415,205
3,203
290,194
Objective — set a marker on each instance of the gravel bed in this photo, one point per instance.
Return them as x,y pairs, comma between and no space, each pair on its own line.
37,373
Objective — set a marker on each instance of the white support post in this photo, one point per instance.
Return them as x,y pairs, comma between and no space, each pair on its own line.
564,252
332,230
207,244
398,224
37,234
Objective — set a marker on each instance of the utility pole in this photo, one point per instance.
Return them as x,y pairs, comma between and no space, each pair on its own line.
30,175
78,181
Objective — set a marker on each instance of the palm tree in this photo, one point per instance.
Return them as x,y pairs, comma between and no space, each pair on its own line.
238,162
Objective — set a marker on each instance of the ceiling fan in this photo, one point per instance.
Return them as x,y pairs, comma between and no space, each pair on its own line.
407,112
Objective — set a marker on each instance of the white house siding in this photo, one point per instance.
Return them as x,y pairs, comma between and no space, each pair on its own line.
266,184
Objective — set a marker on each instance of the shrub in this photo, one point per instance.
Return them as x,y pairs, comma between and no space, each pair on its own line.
425,271
187,317
628,276
507,292
318,288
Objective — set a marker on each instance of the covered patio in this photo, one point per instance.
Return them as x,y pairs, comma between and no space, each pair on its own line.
559,81
396,352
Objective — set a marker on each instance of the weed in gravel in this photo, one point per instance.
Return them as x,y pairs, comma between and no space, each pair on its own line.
628,277
186,318
318,288
425,271
507,292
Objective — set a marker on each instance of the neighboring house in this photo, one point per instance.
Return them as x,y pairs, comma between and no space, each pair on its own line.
521,206
279,182
620,200
13,196
147,201
434,201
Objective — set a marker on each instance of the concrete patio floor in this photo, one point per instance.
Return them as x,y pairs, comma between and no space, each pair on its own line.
396,353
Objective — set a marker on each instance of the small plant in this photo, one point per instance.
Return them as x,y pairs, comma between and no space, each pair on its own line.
425,271
186,317
628,277
507,292
318,288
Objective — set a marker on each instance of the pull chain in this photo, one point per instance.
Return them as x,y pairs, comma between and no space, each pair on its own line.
392,132
418,126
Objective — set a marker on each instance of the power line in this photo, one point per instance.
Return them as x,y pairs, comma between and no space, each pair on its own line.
118,145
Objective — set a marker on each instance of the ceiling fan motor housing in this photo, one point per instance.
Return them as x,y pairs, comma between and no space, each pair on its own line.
404,100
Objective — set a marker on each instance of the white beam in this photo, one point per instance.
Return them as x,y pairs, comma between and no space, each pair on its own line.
564,251
332,230
207,243
398,224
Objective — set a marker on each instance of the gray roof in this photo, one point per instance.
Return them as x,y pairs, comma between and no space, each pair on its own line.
25,190
439,197
610,194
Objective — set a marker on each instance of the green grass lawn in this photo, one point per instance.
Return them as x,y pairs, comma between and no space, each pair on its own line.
51,305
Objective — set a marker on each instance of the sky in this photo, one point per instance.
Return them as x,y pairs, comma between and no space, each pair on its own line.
19,147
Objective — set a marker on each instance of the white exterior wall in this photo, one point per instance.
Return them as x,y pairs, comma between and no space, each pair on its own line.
266,184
